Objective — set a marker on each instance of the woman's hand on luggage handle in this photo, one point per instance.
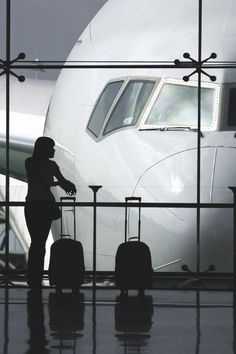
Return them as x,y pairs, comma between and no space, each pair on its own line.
68,187
71,189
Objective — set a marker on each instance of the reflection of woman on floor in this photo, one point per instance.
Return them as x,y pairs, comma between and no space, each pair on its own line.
38,342
41,172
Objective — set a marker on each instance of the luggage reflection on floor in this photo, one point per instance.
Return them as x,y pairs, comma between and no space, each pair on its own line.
133,320
66,318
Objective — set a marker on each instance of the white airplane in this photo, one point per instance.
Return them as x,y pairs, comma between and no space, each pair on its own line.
133,131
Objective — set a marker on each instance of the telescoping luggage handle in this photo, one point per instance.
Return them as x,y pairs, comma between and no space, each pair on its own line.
127,200
73,212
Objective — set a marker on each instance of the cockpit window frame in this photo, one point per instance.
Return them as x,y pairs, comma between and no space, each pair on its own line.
91,133
163,81
225,123
130,80
126,80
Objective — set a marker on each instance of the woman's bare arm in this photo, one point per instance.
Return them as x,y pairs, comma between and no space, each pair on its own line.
65,184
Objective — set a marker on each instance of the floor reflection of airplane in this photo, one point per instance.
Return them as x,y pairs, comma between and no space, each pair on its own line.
134,130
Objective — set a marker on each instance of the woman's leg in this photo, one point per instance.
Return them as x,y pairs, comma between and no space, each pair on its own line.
39,226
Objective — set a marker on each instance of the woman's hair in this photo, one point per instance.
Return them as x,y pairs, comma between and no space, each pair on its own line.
41,147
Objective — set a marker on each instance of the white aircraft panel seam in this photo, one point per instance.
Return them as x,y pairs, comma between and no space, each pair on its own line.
213,175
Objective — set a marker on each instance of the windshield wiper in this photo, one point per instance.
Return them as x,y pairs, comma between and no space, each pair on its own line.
176,128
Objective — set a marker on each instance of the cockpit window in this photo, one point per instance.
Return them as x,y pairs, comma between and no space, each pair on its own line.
177,105
232,108
102,107
130,105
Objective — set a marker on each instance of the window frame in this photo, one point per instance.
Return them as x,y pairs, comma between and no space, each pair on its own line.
225,120
102,135
163,81
91,133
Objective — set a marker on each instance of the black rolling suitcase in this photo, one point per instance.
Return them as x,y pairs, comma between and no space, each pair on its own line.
66,266
133,264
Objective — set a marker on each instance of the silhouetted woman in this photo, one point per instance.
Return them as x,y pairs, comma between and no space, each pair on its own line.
41,172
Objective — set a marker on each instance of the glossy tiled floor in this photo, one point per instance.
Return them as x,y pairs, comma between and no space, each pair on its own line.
164,322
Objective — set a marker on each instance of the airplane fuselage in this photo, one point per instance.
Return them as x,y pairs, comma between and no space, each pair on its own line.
152,154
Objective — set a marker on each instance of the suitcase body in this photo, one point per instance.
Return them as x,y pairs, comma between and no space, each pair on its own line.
66,267
133,264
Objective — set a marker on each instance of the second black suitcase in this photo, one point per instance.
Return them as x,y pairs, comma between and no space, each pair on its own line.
133,267
66,267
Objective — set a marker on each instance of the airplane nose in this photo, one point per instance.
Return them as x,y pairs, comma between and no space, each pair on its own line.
224,174
218,223
174,179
